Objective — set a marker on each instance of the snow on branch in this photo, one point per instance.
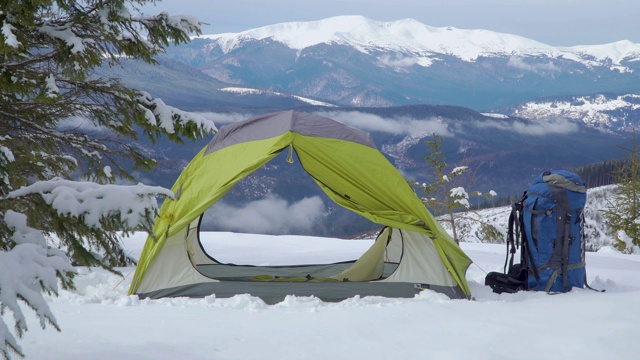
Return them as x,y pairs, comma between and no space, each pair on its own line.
66,34
162,115
92,202
6,155
9,37
627,241
461,196
25,271
184,23
459,170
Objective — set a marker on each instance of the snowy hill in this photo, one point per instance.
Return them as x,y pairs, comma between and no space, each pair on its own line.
606,112
100,322
597,234
249,91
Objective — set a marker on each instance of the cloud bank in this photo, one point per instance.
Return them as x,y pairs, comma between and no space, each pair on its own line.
271,215
224,118
400,125
396,62
539,69
410,126
539,127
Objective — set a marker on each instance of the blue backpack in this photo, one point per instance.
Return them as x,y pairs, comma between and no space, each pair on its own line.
547,225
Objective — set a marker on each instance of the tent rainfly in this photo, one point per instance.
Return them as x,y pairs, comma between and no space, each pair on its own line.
411,253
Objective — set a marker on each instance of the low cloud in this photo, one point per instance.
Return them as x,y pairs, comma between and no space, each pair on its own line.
271,215
224,118
400,125
518,63
396,62
359,120
538,127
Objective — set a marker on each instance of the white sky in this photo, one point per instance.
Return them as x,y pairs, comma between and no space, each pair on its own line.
554,22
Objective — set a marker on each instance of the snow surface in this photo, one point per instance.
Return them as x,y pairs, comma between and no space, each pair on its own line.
596,110
99,321
421,42
251,91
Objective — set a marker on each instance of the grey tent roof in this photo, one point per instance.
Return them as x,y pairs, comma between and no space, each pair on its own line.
271,125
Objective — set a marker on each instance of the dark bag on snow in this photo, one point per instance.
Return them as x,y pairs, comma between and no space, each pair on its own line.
547,225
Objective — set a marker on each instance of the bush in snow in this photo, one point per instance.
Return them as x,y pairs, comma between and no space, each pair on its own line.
446,195
623,211
58,123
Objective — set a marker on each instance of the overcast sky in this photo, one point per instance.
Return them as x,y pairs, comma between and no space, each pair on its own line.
554,22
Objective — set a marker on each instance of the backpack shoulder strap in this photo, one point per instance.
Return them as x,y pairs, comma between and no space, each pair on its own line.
511,246
514,232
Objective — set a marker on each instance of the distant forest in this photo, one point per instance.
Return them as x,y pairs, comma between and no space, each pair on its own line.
600,173
594,175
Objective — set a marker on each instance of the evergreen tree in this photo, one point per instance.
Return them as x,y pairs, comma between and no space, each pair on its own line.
600,173
623,212
446,195
60,124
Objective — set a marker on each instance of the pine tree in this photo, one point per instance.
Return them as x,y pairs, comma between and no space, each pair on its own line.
66,136
623,212
446,195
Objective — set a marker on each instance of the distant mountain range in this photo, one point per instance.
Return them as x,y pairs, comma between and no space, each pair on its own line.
355,61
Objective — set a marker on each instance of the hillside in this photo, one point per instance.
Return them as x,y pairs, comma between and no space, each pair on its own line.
597,234
606,112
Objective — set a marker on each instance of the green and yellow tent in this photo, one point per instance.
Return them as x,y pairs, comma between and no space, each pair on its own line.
411,253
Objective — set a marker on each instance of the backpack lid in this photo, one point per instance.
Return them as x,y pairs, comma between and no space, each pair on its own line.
563,182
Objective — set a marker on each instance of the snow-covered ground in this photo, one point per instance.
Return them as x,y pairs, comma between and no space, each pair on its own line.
99,321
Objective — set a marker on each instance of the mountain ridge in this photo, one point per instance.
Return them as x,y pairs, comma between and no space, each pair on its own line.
412,36
354,61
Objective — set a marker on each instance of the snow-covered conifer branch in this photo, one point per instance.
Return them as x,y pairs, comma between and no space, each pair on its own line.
26,270
159,114
93,202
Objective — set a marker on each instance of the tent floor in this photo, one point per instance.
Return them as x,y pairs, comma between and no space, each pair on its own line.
275,292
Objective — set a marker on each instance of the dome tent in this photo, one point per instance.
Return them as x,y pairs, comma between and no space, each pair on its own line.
413,252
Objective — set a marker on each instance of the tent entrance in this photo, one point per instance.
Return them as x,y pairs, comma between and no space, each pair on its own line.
370,266
281,197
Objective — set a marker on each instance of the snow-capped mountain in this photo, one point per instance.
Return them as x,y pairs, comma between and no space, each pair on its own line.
249,91
618,113
355,61
422,43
